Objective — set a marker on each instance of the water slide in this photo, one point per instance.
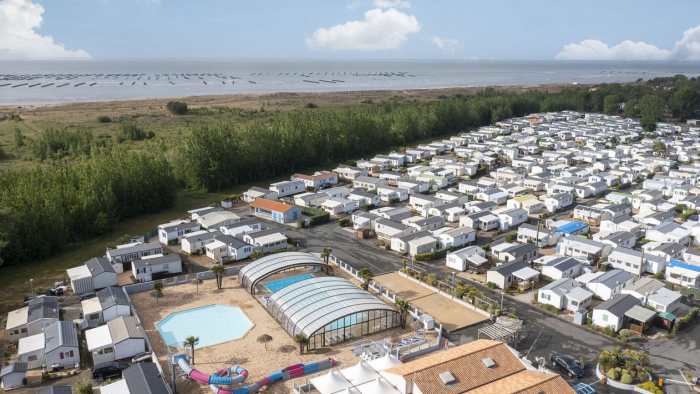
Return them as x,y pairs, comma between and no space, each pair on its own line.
225,376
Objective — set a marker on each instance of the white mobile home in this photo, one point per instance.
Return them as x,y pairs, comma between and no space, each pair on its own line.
120,339
287,188
144,269
174,231
110,303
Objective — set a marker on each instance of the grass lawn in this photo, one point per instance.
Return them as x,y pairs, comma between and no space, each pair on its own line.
14,279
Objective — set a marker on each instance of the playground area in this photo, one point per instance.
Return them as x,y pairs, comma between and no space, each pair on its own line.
452,315
258,359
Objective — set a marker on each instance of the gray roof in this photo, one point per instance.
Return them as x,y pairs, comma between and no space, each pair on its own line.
485,205
259,190
143,378
561,286
563,263
98,265
618,304
669,248
660,215
14,367
392,224
645,285
620,236
232,241
368,179
510,267
428,221
268,231
59,334
135,248
123,328
621,218
110,296
543,230
57,390
168,258
42,308
416,235
520,250
169,228
203,236
34,364
610,278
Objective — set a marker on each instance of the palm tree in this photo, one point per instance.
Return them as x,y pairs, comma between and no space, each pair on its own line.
366,274
219,271
403,306
326,254
158,286
256,255
264,339
302,341
191,342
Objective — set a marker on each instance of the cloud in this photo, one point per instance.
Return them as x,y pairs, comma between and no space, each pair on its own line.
354,5
379,30
688,48
392,4
448,45
19,20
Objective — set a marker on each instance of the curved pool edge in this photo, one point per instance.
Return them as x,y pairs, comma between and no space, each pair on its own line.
179,345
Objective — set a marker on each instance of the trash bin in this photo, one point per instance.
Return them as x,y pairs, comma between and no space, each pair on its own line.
581,316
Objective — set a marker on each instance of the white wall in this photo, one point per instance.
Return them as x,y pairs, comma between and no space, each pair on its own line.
129,348
54,357
612,320
105,279
13,380
115,311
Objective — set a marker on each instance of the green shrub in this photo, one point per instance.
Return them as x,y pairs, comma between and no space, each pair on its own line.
301,223
609,330
626,378
393,201
491,285
387,247
343,222
589,322
625,333
104,119
431,279
368,207
176,107
486,247
311,105
650,387
684,215
613,374
317,216
552,309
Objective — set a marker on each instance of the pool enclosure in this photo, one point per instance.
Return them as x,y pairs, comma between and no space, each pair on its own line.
258,270
328,310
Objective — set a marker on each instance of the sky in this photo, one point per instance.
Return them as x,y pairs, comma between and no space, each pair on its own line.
350,29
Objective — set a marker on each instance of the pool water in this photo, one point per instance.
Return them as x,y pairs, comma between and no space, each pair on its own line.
212,324
279,284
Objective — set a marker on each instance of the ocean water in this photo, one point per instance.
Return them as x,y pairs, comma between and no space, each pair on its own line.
42,82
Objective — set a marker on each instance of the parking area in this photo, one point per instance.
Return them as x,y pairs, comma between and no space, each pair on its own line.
451,314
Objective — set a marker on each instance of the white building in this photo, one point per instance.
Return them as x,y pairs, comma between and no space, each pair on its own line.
195,242
565,293
143,270
174,231
258,192
611,313
287,188
97,273
470,257
119,339
109,303
227,248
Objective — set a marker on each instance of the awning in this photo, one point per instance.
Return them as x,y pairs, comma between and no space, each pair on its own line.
640,314
476,260
526,273
98,338
668,316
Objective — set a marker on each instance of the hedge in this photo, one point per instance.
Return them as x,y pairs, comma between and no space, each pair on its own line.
368,207
317,216
343,222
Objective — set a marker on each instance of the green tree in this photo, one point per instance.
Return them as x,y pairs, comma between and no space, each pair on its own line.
403,307
218,270
651,109
326,254
611,104
659,149
191,342
158,287
366,274
302,341
684,103
632,109
83,386
19,138
264,339
256,255
176,107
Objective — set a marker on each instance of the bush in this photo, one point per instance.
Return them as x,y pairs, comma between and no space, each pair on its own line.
626,379
393,201
317,216
301,223
486,247
387,247
551,308
589,322
650,387
684,215
104,119
625,333
613,374
491,285
609,330
343,222
83,386
176,107
431,279
311,105
129,131
510,237
368,207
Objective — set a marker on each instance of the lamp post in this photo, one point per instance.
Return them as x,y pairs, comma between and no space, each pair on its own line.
31,283
502,300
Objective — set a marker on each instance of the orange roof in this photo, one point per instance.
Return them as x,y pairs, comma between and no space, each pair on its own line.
314,177
270,205
526,382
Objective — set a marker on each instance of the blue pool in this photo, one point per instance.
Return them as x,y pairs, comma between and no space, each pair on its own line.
212,324
278,284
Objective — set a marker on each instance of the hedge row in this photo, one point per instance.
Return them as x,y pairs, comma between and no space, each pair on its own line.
317,216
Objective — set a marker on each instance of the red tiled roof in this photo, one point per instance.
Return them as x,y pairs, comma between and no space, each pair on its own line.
270,205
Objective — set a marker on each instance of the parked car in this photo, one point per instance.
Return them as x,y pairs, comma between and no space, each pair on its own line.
568,365
87,296
141,357
108,370
325,186
56,291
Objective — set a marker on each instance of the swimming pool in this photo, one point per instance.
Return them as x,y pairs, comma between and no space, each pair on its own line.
212,324
278,284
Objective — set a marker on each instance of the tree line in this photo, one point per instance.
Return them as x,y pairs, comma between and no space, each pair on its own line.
45,208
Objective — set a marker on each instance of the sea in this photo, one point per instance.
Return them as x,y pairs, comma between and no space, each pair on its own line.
49,82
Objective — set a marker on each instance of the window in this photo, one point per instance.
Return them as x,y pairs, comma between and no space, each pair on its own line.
165,266
94,316
31,358
107,350
605,317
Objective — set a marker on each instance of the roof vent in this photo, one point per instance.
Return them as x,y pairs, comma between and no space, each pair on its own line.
447,378
488,362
